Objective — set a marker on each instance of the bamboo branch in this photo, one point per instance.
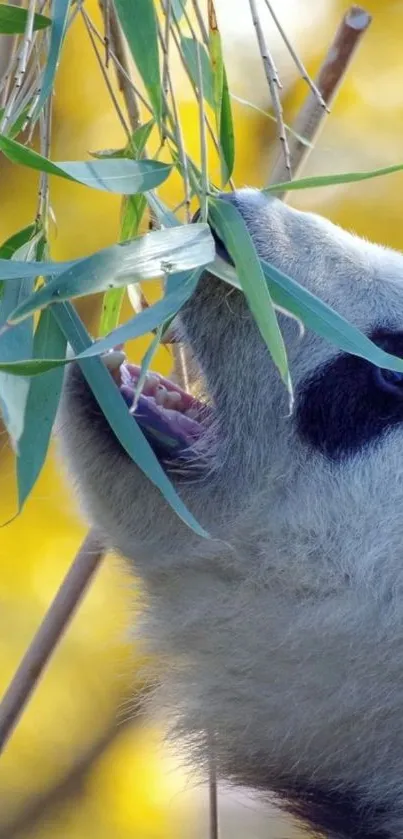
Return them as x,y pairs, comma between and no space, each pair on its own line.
295,57
104,72
51,630
331,74
213,795
274,87
117,44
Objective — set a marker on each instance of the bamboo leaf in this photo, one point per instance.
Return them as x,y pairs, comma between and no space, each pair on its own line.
315,181
30,366
132,213
232,230
217,64
227,137
16,344
13,20
146,361
16,241
221,96
12,244
134,207
153,255
178,7
60,14
141,137
111,308
180,286
121,421
314,314
139,25
189,48
43,398
323,320
164,215
121,176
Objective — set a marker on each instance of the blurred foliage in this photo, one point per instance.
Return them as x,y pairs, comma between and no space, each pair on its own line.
132,790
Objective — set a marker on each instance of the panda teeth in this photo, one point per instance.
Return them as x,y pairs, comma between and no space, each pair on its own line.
114,359
160,396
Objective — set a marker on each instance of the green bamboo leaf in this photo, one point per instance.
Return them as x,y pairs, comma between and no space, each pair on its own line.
43,398
187,249
178,8
134,207
272,118
146,361
180,287
16,241
12,244
217,64
132,213
139,25
222,101
189,48
323,320
13,20
60,14
141,137
226,136
121,421
314,314
147,257
120,176
158,316
16,344
164,215
314,181
111,309
31,366
136,145
232,230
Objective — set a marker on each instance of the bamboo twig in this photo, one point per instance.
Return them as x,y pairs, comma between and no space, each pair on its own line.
117,44
165,46
203,140
22,61
176,37
331,74
213,795
274,87
295,57
52,628
200,21
104,72
175,118
45,126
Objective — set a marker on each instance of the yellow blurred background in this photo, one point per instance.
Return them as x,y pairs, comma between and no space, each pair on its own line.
127,783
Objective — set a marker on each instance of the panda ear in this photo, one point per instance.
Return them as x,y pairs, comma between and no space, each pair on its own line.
390,381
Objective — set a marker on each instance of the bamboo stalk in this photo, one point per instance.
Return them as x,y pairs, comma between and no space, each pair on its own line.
51,630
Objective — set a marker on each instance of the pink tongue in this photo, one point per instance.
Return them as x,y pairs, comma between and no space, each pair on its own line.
170,430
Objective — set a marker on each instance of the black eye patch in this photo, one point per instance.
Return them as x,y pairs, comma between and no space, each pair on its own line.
349,403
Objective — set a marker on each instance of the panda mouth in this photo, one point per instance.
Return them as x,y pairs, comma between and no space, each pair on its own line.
170,418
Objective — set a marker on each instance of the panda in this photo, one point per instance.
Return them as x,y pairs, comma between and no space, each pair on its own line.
279,638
